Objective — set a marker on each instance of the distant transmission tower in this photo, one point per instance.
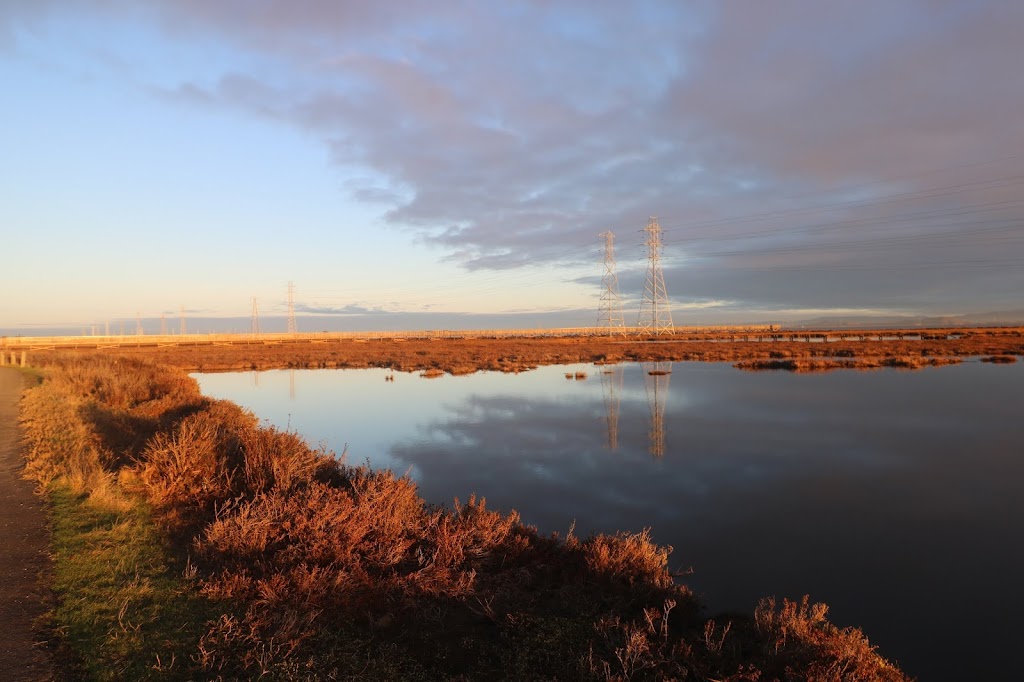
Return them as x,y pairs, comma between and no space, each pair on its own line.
163,325
138,323
609,311
255,318
182,319
292,328
655,316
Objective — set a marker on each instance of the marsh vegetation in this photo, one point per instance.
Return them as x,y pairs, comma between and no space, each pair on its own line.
255,555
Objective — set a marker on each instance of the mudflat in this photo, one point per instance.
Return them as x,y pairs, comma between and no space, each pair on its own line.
24,542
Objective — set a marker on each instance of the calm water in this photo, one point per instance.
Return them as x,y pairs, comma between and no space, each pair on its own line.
895,497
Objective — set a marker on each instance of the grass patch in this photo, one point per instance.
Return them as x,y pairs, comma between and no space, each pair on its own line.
125,608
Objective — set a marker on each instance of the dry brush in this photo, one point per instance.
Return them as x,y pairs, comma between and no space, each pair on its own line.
316,569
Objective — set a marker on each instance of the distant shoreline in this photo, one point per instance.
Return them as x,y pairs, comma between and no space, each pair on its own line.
464,353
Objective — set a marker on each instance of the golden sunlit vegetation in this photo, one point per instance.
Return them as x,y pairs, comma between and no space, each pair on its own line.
825,364
863,349
195,543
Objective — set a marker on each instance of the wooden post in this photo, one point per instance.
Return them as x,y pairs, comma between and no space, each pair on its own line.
22,358
3,358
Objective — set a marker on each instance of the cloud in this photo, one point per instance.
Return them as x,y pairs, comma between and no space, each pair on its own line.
511,134
350,309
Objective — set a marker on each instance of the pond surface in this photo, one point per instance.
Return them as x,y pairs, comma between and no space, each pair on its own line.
895,497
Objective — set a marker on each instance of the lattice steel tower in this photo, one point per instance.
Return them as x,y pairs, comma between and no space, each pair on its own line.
609,311
655,315
292,328
255,325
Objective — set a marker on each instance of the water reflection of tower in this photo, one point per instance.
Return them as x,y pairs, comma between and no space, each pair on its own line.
611,387
656,376
291,384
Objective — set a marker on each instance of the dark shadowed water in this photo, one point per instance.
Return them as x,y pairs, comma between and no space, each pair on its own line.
896,497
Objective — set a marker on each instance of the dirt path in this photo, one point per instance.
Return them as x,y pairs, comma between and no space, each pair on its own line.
23,549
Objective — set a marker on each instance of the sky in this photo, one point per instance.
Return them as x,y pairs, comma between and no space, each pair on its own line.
453,163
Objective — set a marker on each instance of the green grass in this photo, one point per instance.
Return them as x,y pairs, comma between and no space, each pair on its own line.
125,608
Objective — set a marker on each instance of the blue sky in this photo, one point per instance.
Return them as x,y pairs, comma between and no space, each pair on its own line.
436,164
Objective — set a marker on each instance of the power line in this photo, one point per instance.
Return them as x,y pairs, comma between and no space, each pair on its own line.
833,225
926,193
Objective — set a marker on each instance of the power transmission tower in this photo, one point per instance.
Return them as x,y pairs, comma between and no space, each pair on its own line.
655,316
656,376
609,311
138,323
292,329
182,319
255,318
163,325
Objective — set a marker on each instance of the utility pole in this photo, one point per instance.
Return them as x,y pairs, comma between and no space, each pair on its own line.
163,325
609,311
182,311
138,323
655,316
255,326
292,328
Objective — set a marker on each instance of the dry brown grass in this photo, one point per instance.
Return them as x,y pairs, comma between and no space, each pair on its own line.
827,364
330,571
800,637
632,557
1000,359
460,356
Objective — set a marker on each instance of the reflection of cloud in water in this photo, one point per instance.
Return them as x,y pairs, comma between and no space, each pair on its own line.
550,460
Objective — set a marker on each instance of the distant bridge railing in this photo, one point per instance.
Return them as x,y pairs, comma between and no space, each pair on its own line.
151,340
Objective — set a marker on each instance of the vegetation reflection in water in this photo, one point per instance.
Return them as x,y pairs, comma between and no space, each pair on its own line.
863,488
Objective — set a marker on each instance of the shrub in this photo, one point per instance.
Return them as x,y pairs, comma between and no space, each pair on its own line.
631,557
